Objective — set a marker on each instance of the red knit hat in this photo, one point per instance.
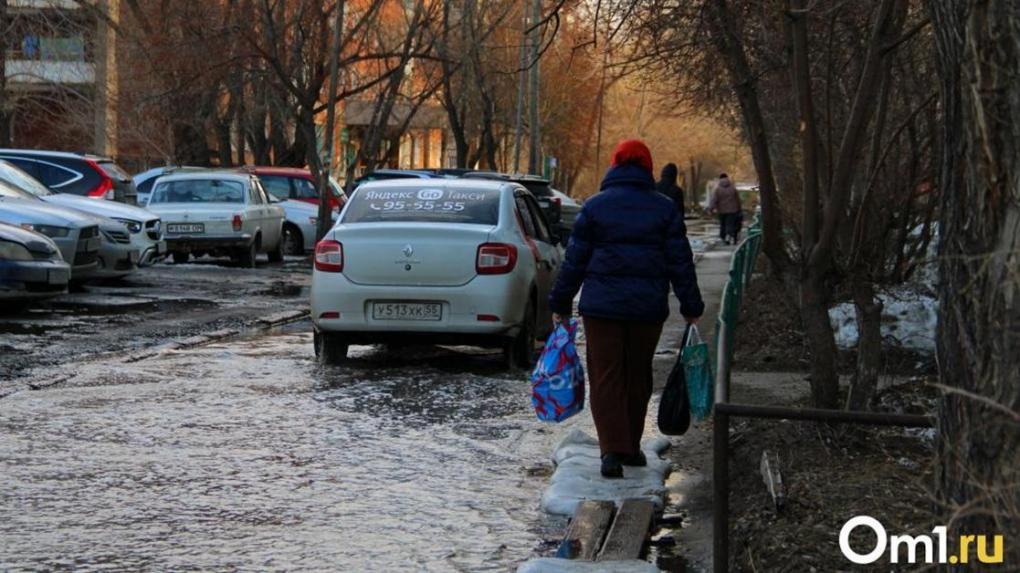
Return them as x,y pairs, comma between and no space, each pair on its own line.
632,152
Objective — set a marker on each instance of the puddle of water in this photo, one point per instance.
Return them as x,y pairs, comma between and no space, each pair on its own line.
246,455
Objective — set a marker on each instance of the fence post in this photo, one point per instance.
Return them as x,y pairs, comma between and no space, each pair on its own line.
721,493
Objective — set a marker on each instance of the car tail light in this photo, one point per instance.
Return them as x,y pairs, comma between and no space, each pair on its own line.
237,222
105,188
496,259
329,256
330,315
488,318
557,201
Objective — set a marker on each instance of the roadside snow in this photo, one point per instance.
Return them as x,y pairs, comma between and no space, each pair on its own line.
908,317
553,565
578,478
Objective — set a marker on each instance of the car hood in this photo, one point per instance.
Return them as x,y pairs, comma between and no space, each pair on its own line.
196,211
30,239
101,207
18,211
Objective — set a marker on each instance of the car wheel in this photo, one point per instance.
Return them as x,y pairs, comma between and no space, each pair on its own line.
293,242
330,348
246,258
276,255
519,351
180,258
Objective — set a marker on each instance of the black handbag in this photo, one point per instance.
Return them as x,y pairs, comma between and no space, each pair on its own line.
674,407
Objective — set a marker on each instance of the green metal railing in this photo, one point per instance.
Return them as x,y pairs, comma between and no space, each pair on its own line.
741,268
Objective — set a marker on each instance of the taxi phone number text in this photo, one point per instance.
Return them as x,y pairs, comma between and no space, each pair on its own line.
447,206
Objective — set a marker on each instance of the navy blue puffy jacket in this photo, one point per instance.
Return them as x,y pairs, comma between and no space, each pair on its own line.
629,244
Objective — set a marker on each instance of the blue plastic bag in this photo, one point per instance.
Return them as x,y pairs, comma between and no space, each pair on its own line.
557,383
698,372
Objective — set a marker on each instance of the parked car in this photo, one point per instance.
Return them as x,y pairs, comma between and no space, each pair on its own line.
86,175
288,183
31,266
440,261
569,210
300,225
539,187
144,228
144,181
76,234
219,213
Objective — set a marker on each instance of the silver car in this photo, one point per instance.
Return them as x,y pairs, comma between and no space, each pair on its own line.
439,261
144,228
220,213
76,234
300,226
31,266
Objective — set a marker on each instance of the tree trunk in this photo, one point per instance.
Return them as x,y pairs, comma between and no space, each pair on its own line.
869,346
821,343
6,105
979,318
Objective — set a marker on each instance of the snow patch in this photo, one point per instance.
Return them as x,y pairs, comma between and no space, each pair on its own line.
908,317
578,477
553,565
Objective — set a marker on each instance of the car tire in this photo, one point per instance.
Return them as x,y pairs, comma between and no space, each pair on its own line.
519,351
180,258
293,242
276,255
330,348
246,256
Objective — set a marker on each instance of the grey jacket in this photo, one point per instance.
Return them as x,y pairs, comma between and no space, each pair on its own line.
725,199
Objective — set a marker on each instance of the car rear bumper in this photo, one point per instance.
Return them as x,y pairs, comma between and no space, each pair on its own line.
488,306
208,243
33,279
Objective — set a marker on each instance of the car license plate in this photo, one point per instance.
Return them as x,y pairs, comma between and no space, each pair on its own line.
407,311
183,228
133,257
58,277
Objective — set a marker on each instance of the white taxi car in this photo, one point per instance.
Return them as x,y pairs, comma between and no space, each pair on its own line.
218,213
438,261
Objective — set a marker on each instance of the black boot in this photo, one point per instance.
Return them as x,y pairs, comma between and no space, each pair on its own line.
634,460
611,467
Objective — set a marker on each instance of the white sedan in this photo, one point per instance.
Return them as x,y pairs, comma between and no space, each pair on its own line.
218,213
439,261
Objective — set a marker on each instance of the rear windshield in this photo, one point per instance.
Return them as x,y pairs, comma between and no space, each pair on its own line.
198,191
538,189
474,207
114,171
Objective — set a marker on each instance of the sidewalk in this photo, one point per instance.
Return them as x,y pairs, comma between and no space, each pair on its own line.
689,488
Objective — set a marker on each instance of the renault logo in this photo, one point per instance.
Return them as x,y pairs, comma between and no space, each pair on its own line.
408,251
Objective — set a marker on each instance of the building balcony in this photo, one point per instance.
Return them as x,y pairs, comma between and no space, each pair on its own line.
39,73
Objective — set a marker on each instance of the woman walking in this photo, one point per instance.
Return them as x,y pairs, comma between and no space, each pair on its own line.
726,202
627,247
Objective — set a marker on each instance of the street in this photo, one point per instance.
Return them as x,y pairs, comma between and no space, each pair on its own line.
246,455
242,452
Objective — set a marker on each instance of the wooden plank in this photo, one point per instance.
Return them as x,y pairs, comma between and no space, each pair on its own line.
773,479
629,531
587,530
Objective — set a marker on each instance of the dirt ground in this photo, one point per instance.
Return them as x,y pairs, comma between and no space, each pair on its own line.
770,339
831,473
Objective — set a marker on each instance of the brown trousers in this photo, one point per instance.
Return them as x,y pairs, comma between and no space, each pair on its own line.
620,357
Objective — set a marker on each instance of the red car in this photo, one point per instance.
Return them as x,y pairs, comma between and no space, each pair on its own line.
297,184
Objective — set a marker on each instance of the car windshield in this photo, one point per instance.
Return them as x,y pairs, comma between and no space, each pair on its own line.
10,191
198,191
18,178
423,205
277,185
